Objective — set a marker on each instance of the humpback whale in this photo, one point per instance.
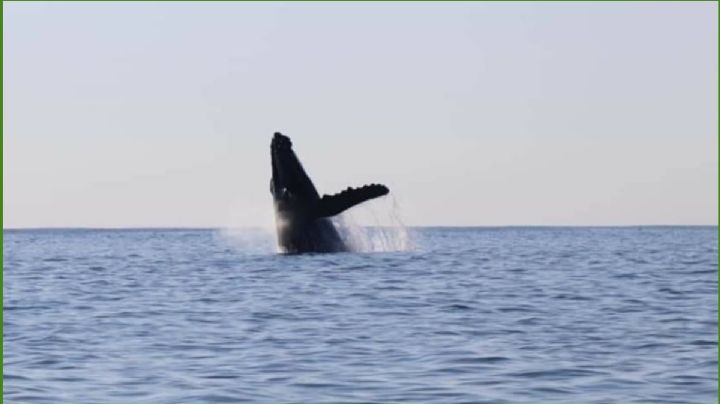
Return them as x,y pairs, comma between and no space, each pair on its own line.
301,215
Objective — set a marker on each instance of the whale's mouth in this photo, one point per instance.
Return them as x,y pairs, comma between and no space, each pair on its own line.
280,142
288,176
280,154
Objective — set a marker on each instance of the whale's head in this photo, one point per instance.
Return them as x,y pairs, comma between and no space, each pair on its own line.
290,186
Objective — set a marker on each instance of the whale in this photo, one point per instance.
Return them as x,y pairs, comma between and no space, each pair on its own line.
302,216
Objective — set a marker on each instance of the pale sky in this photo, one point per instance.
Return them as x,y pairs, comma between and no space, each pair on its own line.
144,114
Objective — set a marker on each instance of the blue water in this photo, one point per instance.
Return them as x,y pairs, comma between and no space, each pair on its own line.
496,315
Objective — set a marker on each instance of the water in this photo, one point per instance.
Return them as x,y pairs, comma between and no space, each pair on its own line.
496,315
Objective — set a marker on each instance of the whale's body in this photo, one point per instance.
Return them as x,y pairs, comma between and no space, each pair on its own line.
301,215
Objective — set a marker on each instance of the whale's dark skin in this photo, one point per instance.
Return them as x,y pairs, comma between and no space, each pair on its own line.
301,215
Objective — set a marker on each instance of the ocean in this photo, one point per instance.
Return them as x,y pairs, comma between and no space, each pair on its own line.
456,315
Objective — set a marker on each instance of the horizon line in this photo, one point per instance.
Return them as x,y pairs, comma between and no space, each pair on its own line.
169,228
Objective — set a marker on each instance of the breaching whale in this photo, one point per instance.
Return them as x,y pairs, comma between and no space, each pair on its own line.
301,215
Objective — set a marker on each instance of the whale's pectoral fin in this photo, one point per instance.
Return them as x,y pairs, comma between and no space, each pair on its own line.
331,205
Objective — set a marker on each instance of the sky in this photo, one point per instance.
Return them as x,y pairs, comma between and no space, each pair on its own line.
160,114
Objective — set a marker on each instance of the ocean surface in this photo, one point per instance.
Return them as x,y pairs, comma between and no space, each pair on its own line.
481,315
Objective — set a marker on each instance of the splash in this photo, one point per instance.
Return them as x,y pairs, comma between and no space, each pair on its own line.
384,231
248,239
374,226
